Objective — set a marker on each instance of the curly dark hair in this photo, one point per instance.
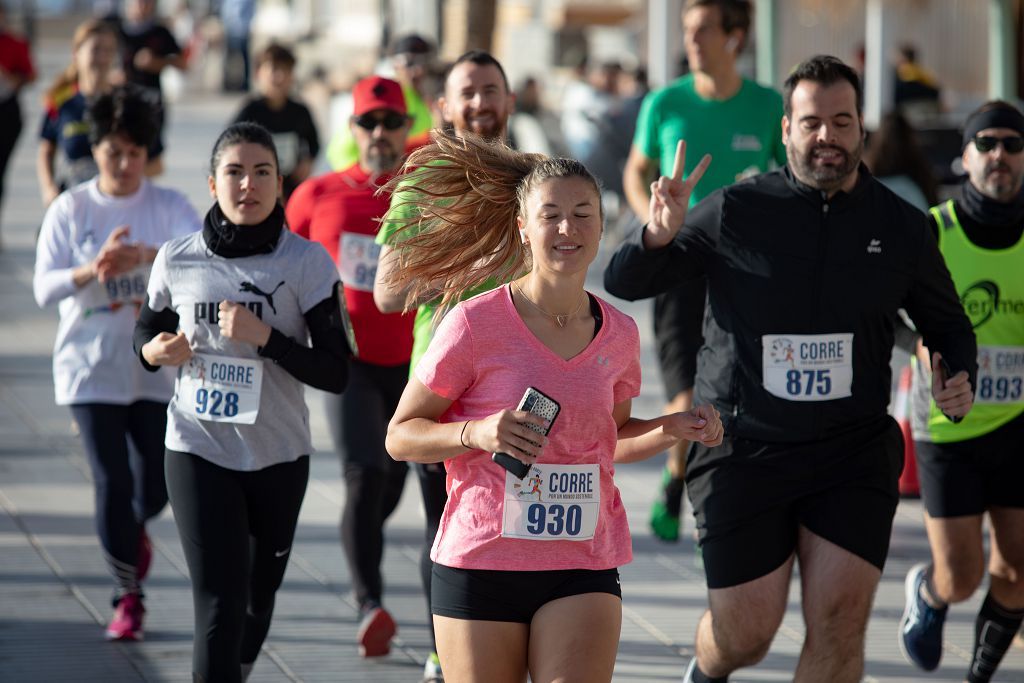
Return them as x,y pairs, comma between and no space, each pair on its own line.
126,110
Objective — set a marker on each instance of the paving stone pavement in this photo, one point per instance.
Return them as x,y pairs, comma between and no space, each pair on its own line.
55,590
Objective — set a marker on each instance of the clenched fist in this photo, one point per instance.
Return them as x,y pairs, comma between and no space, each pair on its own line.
239,323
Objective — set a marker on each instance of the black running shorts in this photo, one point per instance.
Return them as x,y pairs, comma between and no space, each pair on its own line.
967,477
750,498
494,595
678,325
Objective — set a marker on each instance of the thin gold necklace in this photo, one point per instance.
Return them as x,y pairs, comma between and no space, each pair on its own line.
560,318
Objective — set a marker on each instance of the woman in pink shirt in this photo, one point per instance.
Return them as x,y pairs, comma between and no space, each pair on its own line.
525,570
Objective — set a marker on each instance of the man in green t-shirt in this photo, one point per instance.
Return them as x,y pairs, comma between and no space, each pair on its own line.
476,99
739,123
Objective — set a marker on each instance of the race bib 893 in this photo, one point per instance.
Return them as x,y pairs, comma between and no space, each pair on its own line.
1000,374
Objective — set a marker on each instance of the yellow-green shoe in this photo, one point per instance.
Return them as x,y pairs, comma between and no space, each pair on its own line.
665,511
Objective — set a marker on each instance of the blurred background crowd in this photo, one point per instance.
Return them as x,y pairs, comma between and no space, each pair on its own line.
579,68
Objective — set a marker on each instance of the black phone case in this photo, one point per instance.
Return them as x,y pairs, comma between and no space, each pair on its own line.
945,368
346,320
538,403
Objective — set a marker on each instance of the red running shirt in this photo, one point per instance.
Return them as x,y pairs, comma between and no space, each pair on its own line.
15,57
339,210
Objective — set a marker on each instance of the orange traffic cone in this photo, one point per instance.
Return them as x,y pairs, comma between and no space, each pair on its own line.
908,485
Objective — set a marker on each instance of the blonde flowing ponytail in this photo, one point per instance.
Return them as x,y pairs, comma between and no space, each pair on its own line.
454,210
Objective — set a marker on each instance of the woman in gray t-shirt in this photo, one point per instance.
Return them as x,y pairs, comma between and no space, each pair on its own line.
232,307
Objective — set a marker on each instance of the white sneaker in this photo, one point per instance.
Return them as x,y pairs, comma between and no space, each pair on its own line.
432,670
688,674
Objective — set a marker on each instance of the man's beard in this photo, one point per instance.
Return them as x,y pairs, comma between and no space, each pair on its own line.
493,132
381,158
824,177
1001,188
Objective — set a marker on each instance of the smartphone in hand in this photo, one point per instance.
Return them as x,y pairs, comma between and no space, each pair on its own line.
949,373
536,402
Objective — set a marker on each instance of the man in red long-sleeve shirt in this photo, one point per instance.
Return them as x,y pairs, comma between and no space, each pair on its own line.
341,211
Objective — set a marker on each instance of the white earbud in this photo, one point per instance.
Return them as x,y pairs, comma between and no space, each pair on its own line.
732,44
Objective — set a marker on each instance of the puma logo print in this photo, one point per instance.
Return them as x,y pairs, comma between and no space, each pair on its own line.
250,287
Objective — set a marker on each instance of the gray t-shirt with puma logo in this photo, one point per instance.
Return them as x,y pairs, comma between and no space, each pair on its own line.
278,288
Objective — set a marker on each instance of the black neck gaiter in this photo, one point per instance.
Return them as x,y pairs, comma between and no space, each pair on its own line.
226,239
989,212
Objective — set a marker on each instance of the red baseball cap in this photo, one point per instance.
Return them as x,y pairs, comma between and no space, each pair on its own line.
377,92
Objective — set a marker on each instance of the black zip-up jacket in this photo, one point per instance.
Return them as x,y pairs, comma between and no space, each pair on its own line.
781,258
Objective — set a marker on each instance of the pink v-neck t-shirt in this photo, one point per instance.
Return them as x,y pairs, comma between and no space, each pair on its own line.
483,357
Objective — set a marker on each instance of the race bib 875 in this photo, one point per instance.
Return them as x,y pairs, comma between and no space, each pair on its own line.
553,502
808,367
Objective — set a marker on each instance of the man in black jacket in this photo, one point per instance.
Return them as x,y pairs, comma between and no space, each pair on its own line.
806,268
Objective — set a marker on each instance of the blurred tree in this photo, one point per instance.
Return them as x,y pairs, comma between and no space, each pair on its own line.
481,16
468,25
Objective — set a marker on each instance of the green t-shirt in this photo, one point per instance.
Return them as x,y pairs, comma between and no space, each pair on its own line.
424,324
342,151
743,134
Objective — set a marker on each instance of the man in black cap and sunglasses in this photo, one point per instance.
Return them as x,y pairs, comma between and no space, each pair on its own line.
340,211
974,466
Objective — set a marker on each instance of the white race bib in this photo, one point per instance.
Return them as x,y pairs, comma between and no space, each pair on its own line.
287,145
220,388
1000,374
357,261
126,288
553,502
807,367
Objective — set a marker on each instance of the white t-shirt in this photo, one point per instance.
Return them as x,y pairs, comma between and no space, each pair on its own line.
279,287
93,360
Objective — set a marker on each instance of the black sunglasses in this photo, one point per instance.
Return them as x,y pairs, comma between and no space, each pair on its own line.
1013,144
390,121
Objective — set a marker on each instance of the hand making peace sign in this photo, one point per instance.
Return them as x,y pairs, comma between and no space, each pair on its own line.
670,198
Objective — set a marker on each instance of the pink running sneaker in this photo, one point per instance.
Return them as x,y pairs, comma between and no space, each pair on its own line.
376,630
127,621
145,556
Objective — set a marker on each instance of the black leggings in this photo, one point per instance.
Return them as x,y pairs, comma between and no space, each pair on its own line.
358,420
10,114
435,495
236,530
126,455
